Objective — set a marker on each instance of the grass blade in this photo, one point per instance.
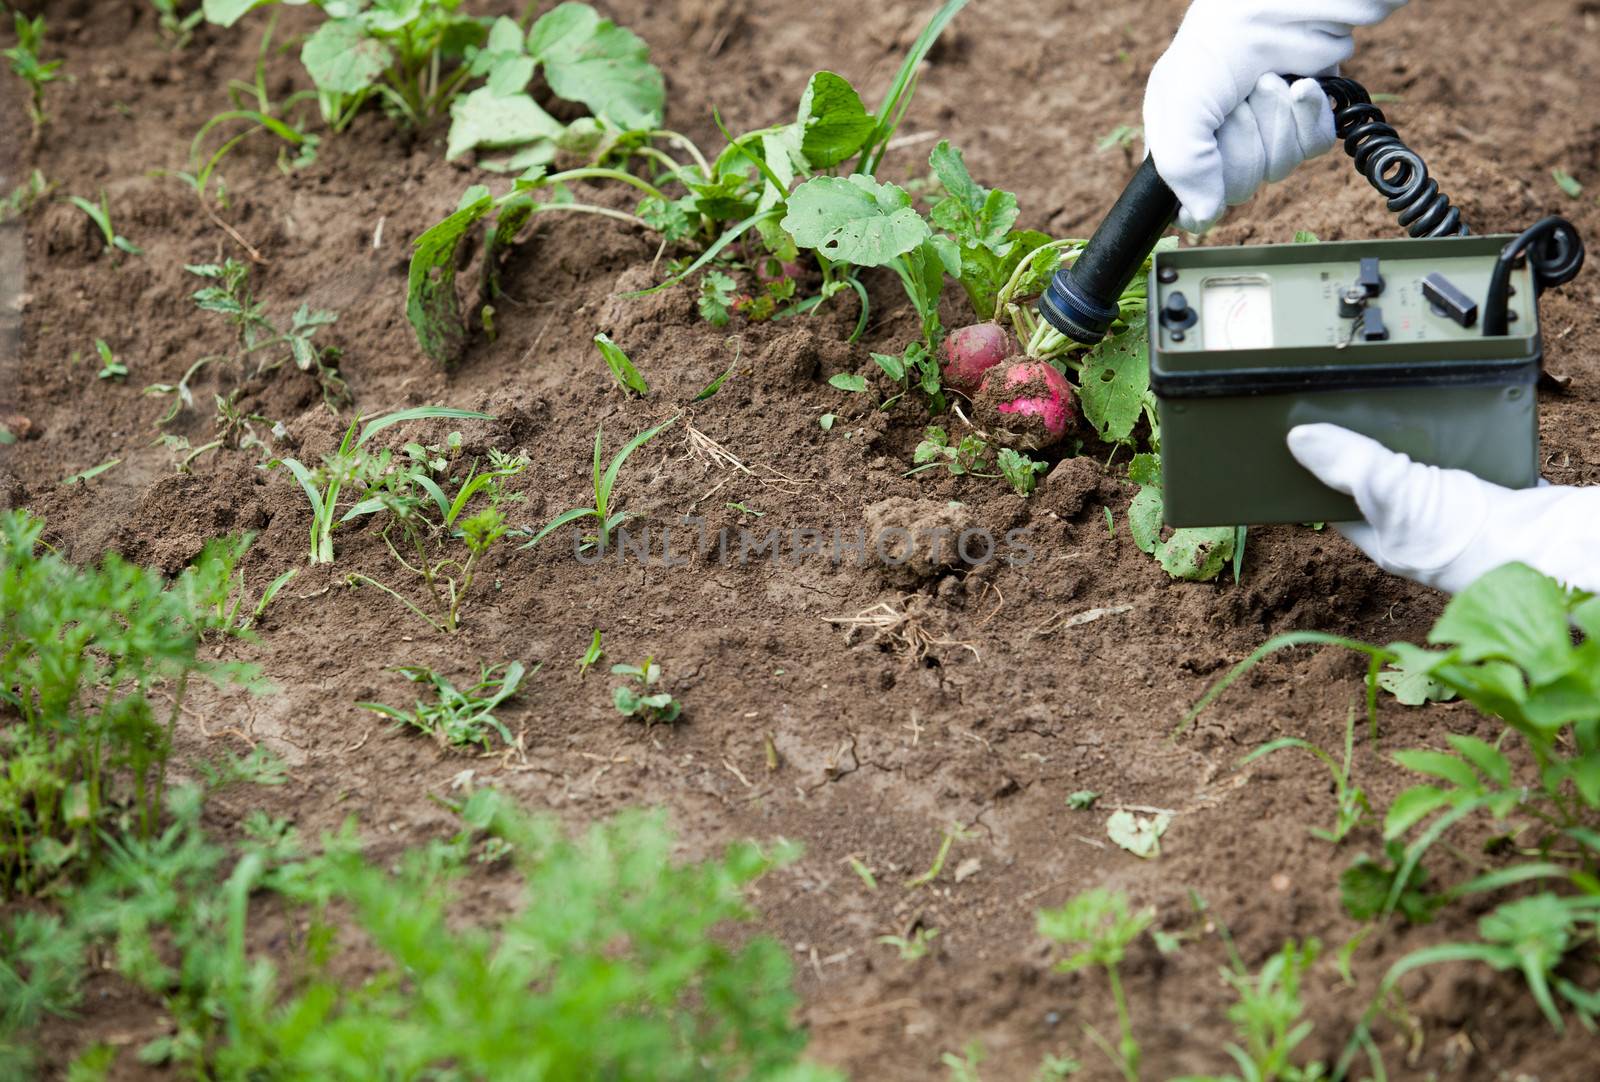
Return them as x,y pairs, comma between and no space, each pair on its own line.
711,253
609,480
419,413
559,521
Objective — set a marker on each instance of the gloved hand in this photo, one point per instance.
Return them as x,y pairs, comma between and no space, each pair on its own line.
1219,120
1445,528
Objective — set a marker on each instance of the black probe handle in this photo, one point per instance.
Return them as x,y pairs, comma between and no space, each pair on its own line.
1081,301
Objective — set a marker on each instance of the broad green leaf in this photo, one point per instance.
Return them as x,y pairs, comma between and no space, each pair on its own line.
1438,764
592,60
848,381
1145,469
834,123
1412,806
855,220
342,59
1138,834
1411,681
1115,378
228,12
432,306
973,213
1144,519
485,119
620,365
1197,555
1483,755
1512,614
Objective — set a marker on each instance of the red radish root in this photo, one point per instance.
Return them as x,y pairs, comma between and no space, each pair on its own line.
1026,404
969,353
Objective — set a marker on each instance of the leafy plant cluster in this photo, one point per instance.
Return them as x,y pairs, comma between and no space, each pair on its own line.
94,667
1526,654
607,933
27,65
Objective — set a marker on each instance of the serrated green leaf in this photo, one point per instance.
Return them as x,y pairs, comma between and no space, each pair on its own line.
833,121
484,119
1197,554
594,61
343,59
1115,379
855,220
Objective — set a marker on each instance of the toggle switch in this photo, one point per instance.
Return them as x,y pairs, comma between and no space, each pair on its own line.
1448,301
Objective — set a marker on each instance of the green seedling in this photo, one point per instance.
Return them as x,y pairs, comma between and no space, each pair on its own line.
91,473
1352,805
591,656
1083,800
1022,471
718,294
458,718
349,465
745,510
639,702
952,834
858,866
1269,1018
914,948
967,455
621,367
110,367
100,214
176,25
1123,136
1567,183
27,66
233,427
964,1068
1098,926
25,195
222,605
606,519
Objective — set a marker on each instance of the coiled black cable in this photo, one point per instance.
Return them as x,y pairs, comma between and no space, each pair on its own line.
1553,250
1394,169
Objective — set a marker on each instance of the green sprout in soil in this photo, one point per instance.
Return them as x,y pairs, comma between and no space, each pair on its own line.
110,367
641,702
27,65
176,25
100,214
458,718
1098,926
915,946
591,656
222,605
1353,807
604,485
621,366
352,466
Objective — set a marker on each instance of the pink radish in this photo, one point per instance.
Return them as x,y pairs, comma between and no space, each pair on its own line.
970,352
1026,404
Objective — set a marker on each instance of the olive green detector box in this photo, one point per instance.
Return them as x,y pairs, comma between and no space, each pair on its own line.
1381,337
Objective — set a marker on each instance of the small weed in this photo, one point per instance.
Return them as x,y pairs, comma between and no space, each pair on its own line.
24,196
27,65
718,294
176,25
604,483
110,367
222,605
1270,1018
649,707
1022,471
1082,800
913,948
458,718
964,1068
952,834
100,214
1351,801
1098,926
590,656
621,366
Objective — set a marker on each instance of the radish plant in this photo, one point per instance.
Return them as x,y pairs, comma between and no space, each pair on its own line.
352,466
606,519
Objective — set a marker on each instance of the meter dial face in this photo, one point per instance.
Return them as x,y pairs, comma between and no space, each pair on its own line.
1236,312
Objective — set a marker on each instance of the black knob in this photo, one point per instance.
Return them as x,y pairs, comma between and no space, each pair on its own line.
1176,315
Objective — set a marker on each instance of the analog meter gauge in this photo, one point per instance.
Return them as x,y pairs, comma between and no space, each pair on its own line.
1236,312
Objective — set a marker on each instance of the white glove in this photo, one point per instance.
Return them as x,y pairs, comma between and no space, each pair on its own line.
1445,528
1217,118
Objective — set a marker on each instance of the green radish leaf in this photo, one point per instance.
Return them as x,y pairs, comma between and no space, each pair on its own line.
848,381
834,122
1145,469
343,59
1138,834
1411,681
1144,519
228,12
1115,379
972,213
487,119
855,220
592,60
1512,614
621,366
1197,555
432,306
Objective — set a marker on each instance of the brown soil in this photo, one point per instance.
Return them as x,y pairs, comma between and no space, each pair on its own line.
970,698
